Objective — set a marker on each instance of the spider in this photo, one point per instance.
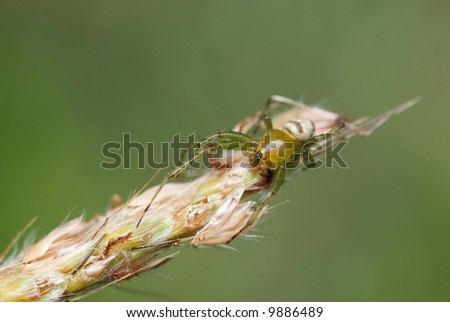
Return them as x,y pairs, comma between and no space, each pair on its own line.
271,153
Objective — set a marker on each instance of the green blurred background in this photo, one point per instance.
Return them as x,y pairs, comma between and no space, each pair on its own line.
75,75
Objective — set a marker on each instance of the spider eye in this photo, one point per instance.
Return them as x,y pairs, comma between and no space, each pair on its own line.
302,130
259,155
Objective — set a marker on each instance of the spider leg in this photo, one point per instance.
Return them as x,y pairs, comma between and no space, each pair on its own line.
328,134
265,199
267,122
318,142
222,137
205,148
249,150
175,172
273,102
225,136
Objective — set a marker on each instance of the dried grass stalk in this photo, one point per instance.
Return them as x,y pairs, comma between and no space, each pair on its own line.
81,257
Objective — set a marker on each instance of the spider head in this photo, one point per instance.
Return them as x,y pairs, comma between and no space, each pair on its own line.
275,147
259,155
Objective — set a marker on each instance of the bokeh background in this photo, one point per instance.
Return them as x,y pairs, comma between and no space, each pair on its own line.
77,74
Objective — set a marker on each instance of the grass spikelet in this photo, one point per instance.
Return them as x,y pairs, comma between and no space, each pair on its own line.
82,257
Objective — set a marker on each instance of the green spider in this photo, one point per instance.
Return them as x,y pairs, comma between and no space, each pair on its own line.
271,154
